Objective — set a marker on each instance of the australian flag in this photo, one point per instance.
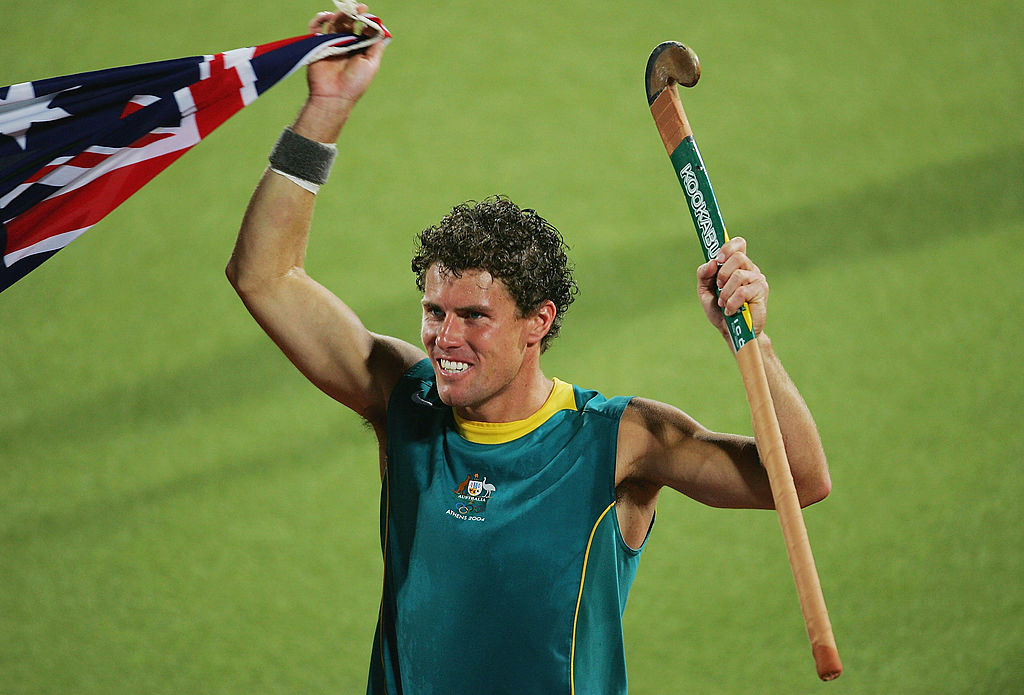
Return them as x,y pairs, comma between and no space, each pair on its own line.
74,148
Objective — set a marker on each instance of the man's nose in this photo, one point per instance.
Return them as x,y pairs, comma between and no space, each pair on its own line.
450,334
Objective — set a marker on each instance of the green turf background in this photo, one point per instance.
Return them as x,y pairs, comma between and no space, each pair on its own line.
180,512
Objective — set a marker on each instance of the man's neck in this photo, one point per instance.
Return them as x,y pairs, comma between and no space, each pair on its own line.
517,401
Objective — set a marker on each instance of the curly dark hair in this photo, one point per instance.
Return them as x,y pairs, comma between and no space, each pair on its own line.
515,245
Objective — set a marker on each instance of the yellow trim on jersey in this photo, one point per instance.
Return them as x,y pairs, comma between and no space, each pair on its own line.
579,600
384,577
560,398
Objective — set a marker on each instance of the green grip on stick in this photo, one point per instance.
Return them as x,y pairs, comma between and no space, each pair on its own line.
707,219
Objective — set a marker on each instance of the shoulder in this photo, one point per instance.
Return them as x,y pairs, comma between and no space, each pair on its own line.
415,412
647,417
370,386
419,371
416,384
648,430
590,401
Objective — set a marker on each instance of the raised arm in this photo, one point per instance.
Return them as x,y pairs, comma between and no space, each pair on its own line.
318,332
659,445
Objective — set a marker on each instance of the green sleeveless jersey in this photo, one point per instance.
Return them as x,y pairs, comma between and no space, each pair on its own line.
504,567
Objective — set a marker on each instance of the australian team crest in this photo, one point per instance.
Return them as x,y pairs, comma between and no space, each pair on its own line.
470,498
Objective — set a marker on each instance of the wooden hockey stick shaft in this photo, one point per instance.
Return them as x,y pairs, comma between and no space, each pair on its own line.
787,504
677,137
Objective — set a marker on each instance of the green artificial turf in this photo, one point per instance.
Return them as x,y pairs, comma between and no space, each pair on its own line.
180,512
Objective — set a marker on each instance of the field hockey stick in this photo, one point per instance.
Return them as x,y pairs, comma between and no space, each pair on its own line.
670,64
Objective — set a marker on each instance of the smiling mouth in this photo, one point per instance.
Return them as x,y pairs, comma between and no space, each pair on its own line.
452,367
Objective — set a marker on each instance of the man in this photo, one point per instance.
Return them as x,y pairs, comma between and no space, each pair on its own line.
514,506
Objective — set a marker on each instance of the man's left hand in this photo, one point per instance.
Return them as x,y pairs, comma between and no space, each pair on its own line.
739,280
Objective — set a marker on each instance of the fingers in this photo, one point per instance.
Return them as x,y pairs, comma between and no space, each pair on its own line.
743,287
733,246
316,25
739,280
341,21
736,277
706,271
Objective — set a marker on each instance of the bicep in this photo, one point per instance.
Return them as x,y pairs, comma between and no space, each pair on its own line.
665,447
328,343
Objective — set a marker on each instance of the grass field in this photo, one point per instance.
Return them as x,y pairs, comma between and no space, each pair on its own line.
180,512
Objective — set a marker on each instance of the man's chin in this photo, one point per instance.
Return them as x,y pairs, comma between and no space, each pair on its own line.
445,394
453,398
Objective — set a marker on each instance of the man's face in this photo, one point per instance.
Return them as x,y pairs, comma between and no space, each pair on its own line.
476,341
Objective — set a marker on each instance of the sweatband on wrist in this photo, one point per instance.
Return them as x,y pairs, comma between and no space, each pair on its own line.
303,160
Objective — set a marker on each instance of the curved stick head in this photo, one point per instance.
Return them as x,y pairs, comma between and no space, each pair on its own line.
671,63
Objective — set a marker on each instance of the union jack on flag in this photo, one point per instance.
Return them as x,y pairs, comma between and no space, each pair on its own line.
73,148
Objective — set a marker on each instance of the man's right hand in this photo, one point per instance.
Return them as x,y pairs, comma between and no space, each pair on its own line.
335,85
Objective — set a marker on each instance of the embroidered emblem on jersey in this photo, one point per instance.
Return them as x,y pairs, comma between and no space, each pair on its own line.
470,498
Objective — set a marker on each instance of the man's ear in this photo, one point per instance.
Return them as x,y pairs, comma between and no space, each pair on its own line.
541,320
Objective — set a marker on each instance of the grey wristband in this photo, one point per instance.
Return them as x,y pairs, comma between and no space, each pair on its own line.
302,158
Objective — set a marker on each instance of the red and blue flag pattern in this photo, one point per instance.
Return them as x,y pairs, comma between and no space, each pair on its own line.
73,148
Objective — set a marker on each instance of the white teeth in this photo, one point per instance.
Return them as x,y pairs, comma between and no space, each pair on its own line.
450,366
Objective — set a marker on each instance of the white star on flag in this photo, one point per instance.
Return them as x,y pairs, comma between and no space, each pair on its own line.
21,108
